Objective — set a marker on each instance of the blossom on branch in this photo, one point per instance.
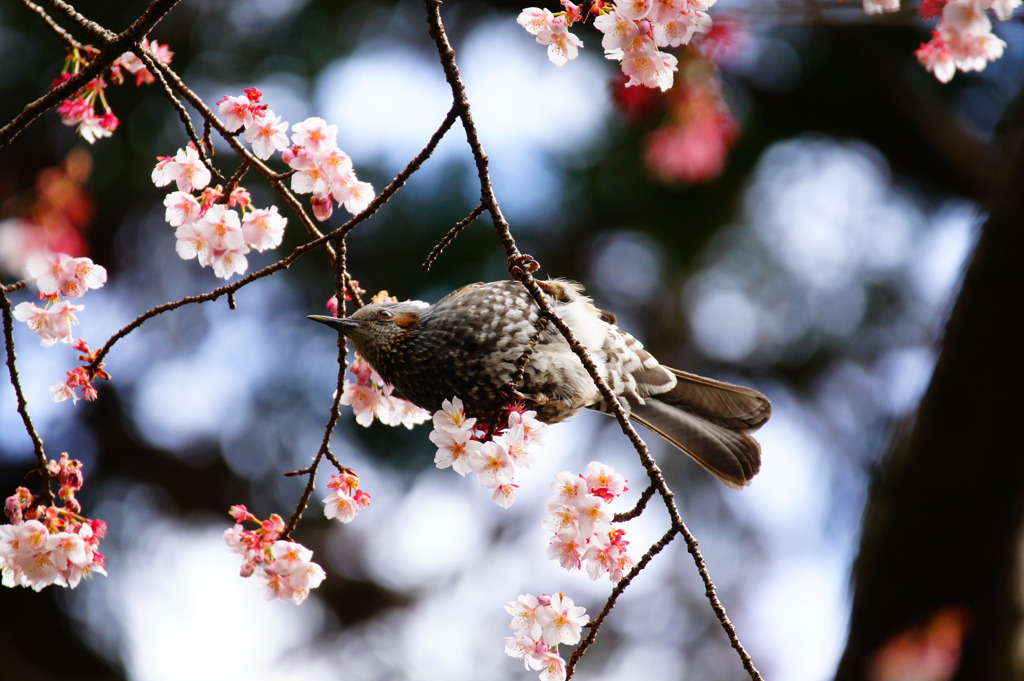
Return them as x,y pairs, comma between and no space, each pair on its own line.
634,30
346,500
539,624
81,108
466,445
59,273
53,323
580,520
286,567
47,545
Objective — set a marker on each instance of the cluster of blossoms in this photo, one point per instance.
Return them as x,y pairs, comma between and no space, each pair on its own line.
539,624
633,31
286,566
56,275
963,39
47,545
208,227
81,109
346,500
370,396
321,167
579,517
467,446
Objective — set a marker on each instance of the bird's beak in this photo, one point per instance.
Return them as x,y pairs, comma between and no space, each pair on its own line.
342,324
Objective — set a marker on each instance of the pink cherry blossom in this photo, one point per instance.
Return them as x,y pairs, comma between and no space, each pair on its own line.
562,621
192,244
266,134
524,616
568,488
567,549
537,21
182,208
263,228
315,134
936,57
53,323
455,448
603,481
222,228
452,416
50,273
366,401
227,263
236,112
405,413
492,464
186,169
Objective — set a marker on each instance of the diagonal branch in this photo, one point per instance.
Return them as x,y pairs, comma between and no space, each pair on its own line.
107,56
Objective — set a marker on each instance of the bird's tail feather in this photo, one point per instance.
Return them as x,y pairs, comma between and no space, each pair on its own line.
732,456
734,407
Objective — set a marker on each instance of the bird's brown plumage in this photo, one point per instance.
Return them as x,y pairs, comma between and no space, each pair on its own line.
468,345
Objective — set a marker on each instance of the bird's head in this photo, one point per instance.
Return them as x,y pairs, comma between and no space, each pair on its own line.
378,328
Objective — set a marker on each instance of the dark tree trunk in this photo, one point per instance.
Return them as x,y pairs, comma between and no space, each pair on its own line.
942,530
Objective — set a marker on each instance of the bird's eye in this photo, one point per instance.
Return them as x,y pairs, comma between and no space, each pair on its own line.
385,314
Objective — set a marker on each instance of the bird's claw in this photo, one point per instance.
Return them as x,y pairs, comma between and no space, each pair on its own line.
520,266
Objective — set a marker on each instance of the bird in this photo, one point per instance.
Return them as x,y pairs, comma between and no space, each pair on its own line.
471,344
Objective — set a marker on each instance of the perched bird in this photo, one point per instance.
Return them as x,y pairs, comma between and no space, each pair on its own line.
470,342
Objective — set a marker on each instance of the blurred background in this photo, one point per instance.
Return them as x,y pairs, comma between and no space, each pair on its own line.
796,215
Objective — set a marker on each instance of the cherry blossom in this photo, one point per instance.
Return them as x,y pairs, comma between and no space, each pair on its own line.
581,522
286,567
494,456
186,169
47,545
182,208
963,39
266,134
81,108
552,31
370,398
263,228
59,273
455,448
53,323
539,624
633,30
346,500
492,464
879,6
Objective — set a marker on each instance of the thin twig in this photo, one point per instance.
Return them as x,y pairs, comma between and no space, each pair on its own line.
111,51
243,168
26,419
186,120
641,504
450,236
595,624
53,25
98,32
